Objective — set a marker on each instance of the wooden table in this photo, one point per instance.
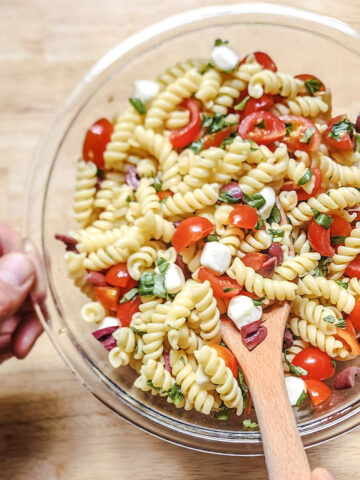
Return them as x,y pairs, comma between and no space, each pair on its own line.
50,426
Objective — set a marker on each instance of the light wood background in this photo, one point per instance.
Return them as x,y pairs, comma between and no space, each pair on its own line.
50,426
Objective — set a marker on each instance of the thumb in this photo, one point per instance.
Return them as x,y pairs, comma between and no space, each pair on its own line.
321,474
17,276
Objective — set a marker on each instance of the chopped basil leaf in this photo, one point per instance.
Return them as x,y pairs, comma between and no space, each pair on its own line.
212,237
261,124
223,414
259,224
276,233
323,220
341,323
307,176
159,286
207,67
253,149
307,135
146,284
219,42
157,186
129,295
137,331
100,174
312,86
330,319
302,397
240,106
215,123
228,289
297,371
138,105
128,199
256,201
337,239
340,128
322,270
228,198
249,424
258,302
274,215
182,359
289,128
150,384
175,395
229,140
162,265
342,284
333,363
197,146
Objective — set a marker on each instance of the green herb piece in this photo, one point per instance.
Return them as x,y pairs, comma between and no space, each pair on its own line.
302,397
159,286
228,197
312,86
150,384
276,234
207,67
228,289
182,359
100,174
215,123
223,414
229,140
337,239
212,237
175,395
297,371
307,176
164,199
323,220
333,363
129,295
340,128
261,124
137,331
162,265
307,135
322,270
146,284
157,186
257,302
244,389
256,201
259,224
249,424
197,146
240,106
128,199
274,215
139,106
219,42
289,128
330,319
341,323
342,284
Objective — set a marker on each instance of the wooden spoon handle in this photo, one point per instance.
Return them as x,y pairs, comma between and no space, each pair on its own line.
284,451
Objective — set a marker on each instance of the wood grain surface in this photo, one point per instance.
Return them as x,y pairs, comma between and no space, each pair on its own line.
50,426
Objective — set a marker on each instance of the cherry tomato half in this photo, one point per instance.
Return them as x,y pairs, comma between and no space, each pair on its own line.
222,287
339,227
353,269
264,60
96,139
305,77
256,104
183,136
118,275
318,391
343,141
216,139
125,311
303,134
164,193
319,238
315,362
354,316
107,296
227,356
255,260
190,231
262,127
244,216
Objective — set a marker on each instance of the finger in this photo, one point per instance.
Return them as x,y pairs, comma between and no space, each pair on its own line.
38,292
17,275
10,240
8,326
5,344
321,474
26,334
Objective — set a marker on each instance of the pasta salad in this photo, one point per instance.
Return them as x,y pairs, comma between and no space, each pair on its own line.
224,187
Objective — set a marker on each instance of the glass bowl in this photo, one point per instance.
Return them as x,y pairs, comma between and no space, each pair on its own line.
300,42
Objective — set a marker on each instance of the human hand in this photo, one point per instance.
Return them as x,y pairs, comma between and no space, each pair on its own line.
20,273
321,474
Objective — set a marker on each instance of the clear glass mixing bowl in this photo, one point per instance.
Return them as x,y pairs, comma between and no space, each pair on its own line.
300,42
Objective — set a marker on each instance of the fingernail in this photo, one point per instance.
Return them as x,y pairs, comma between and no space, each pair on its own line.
16,269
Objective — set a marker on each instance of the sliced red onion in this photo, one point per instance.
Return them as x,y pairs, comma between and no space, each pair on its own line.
180,263
253,334
346,378
231,193
104,336
69,242
96,278
166,356
132,178
357,124
275,250
267,269
288,340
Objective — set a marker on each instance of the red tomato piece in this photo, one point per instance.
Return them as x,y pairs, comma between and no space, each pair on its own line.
262,127
315,362
190,231
339,227
255,104
107,296
96,139
345,140
349,340
350,327
318,391
306,77
354,316
164,193
254,260
227,356
304,196
264,59
183,136
220,284
353,269
244,216
299,127
319,238
125,311
118,275
216,139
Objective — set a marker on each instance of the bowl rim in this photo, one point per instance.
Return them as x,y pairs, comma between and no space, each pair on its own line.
166,25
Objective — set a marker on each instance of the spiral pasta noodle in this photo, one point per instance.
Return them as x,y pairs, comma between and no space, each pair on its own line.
267,81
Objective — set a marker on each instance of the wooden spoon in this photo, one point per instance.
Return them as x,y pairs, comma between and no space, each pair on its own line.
262,367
